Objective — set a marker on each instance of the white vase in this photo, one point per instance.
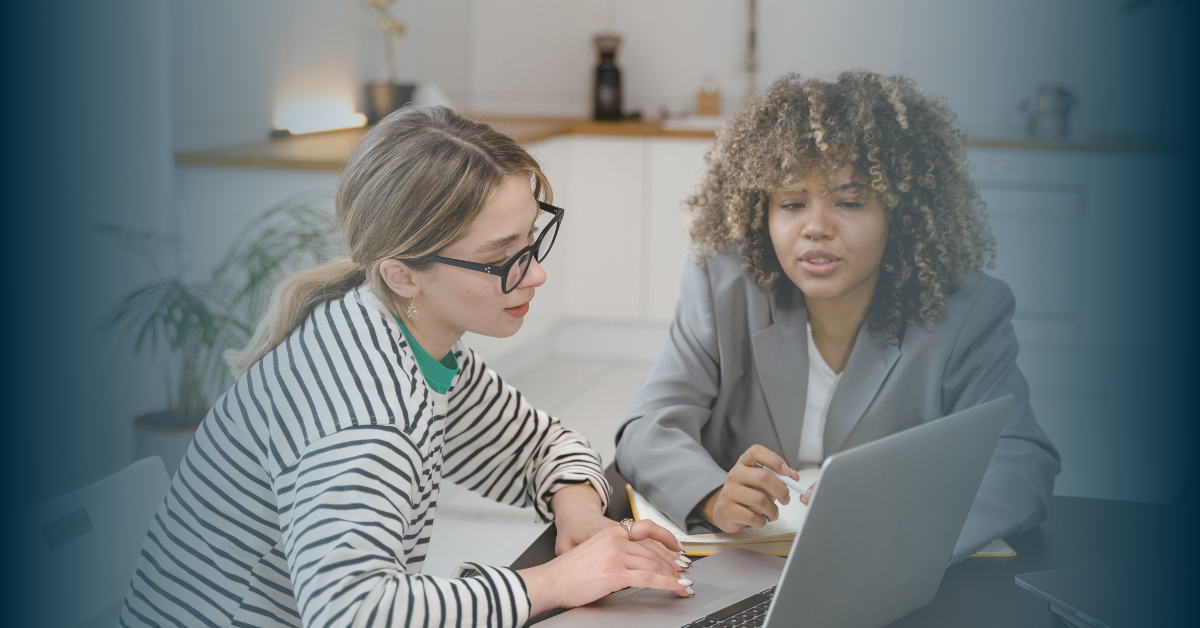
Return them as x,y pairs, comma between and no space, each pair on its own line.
153,436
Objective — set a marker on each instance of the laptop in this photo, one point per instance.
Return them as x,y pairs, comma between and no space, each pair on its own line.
1115,595
881,528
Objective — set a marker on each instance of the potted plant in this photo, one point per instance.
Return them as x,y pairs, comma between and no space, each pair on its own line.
384,98
193,322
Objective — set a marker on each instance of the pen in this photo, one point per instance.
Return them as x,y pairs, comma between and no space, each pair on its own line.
788,482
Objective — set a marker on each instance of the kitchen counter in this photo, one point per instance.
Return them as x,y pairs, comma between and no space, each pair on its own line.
328,150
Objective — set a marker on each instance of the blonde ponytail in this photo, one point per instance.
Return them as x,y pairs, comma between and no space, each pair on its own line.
412,186
291,302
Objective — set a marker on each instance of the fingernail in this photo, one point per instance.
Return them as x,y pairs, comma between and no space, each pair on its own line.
690,591
683,552
685,582
681,564
684,558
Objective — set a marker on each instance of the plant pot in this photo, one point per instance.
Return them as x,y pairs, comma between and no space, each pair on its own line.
155,436
384,98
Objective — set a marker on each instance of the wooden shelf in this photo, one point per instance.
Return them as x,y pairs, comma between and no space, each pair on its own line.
329,150
1096,146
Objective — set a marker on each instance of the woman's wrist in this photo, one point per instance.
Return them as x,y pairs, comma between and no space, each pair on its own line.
578,515
707,509
540,586
577,500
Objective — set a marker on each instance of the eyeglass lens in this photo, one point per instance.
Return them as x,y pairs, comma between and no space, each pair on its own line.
546,231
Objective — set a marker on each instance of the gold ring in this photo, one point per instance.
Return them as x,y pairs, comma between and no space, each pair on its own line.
628,523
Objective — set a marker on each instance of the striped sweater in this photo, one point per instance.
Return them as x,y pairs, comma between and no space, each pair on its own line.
308,495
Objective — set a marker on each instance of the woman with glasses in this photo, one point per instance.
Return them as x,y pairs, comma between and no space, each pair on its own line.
838,297
309,492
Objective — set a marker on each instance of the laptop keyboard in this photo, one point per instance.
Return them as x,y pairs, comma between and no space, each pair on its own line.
750,613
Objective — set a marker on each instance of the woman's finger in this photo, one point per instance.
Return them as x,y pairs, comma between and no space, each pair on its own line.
724,518
668,561
808,494
757,454
749,517
680,585
735,516
646,529
666,554
755,500
763,481
640,563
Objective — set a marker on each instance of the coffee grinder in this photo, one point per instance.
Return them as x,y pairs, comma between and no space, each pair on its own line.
606,101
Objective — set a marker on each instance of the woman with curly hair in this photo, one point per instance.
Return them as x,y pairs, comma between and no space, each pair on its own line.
838,298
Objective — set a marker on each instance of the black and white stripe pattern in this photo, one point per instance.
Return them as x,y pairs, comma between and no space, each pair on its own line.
308,495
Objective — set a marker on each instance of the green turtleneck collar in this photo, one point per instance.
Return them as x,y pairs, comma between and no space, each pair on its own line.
438,373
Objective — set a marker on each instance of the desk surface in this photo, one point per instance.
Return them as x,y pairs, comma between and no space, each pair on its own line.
980,592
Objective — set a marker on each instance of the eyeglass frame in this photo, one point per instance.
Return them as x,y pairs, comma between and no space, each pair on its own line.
532,249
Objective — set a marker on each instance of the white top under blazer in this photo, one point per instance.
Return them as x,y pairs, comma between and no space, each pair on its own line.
308,495
822,384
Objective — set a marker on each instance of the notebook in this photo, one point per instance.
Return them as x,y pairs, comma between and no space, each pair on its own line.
774,538
996,549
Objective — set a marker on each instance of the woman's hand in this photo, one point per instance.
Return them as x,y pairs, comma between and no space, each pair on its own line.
750,492
577,515
576,528
578,518
608,561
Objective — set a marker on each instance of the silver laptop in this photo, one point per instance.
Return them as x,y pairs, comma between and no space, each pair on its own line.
881,527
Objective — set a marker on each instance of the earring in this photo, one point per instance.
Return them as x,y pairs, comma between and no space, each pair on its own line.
411,310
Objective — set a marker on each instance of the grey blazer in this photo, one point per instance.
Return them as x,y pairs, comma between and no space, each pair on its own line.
734,372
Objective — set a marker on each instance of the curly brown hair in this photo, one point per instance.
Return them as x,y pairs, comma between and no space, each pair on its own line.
903,145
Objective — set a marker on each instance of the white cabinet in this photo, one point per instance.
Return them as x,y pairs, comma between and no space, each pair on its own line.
1086,245
604,198
674,167
624,239
1035,205
1039,233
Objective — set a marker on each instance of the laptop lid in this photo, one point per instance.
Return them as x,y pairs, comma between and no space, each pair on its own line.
884,520
1115,595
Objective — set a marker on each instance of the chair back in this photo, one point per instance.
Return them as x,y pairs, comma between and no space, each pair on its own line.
77,552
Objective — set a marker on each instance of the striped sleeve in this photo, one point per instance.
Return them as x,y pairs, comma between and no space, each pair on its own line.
500,446
351,512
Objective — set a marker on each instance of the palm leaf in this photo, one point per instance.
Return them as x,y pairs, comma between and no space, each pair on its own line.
197,321
151,246
168,313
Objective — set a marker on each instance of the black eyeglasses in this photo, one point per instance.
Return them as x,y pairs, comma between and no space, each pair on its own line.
513,271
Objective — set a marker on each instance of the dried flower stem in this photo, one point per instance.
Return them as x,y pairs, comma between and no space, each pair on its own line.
389,47
392,28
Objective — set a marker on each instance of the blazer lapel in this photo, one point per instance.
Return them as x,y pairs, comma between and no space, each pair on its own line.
870,362
781,357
